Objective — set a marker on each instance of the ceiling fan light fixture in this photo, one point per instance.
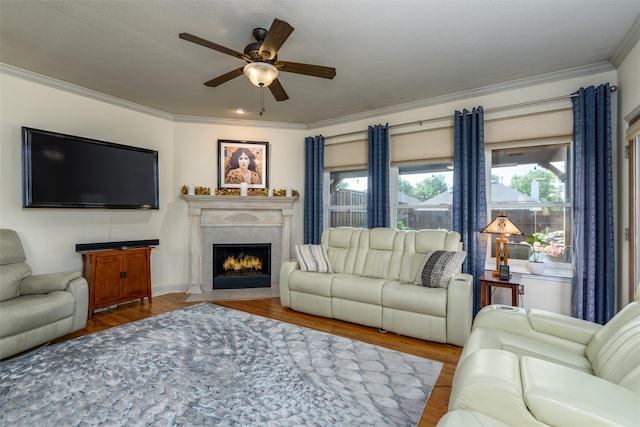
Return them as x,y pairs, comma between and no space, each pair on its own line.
260,73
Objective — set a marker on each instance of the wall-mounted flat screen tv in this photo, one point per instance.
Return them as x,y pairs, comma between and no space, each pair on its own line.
64,171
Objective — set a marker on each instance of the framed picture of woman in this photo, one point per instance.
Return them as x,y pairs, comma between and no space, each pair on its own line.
243,161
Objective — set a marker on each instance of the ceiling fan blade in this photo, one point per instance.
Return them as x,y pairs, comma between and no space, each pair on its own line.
225,77
278,91
306,69
211,45
276,36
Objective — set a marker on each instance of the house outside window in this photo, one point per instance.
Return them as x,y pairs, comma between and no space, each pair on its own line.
532,185
348,199
424,196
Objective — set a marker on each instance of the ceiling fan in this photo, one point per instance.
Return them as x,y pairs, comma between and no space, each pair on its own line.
261,56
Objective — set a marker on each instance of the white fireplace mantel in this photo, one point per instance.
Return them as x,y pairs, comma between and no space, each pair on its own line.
233,211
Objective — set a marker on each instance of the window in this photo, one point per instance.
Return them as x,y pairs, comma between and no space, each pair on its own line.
348,199
425,196
532,186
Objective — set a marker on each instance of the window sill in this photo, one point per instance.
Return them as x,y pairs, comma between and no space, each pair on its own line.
550,273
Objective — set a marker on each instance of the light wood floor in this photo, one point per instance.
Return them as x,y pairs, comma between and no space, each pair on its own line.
270,307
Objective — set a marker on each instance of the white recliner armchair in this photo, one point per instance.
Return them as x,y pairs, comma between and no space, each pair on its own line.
36,308
535,368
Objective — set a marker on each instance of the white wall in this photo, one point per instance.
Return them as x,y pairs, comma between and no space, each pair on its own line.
196,163
49,236
187,153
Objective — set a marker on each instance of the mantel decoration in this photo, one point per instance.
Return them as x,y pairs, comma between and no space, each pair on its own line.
195,191
264,192
502,226
243,164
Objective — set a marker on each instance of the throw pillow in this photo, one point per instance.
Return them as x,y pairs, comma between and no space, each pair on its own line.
438,268
313,258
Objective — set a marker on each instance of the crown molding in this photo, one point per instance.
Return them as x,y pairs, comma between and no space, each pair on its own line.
514,84
629,41
457,96
99,96
239,122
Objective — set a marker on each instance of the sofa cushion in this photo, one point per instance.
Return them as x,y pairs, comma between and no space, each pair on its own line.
33,311
615,348
619,359
12,251
313,258
342,247
380,252
561,396
10,277
355,288
311,283
415,298
439,267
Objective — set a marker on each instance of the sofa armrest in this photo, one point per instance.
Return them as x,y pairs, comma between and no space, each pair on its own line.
564,331
459,308
46,283
286,269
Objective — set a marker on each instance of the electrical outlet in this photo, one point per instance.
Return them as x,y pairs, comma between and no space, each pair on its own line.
521,290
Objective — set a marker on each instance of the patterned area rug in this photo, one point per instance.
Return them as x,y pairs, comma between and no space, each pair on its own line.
209,365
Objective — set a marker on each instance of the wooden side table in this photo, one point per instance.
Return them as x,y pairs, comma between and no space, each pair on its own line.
488,281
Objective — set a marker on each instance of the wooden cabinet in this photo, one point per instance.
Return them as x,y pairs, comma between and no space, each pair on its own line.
117,276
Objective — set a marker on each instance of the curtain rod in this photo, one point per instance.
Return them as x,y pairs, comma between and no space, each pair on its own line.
504,107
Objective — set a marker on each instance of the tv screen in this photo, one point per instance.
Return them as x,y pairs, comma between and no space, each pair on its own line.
64,171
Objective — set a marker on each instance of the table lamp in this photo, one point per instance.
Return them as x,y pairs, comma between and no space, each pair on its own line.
502,226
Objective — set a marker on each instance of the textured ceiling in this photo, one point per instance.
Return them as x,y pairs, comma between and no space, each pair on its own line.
386,53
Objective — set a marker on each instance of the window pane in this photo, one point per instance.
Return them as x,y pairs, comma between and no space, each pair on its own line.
348,199
554,225
532,186
537,174
425,196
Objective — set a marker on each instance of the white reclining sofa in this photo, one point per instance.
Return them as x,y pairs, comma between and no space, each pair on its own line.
372,283
536,368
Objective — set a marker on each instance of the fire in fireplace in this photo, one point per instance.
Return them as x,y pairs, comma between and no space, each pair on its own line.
241,265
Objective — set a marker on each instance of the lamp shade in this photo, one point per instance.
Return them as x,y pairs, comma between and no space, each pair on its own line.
501,225
260,73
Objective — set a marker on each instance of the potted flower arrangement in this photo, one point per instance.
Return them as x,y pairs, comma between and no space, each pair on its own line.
537,242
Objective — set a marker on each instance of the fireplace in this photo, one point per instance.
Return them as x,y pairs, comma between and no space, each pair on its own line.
241,265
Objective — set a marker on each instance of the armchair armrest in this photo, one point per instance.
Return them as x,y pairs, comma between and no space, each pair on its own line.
46,283
563,331
565,327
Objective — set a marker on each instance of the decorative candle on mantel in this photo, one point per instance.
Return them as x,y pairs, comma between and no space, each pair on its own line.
289,192
243,188
191,190
270,192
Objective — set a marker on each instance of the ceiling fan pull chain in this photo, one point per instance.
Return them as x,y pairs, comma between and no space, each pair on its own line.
262,98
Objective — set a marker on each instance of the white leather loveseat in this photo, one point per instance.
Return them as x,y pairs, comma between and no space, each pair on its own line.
372,284
535,368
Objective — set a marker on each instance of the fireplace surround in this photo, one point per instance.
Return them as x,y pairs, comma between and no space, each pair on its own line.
236,220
